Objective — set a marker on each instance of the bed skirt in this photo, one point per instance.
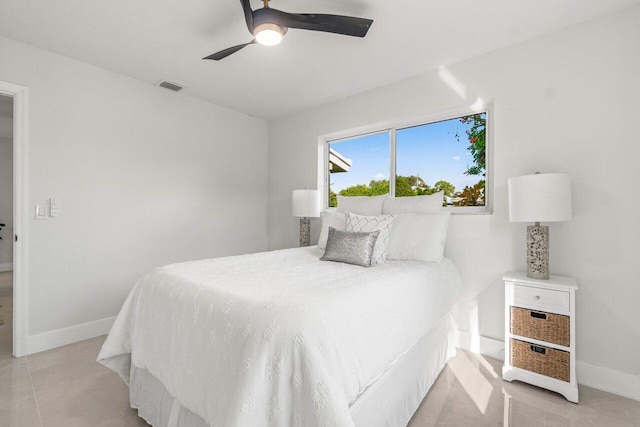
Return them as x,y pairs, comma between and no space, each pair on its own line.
389,402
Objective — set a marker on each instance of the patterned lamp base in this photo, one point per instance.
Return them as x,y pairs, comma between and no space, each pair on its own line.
538,251
305,231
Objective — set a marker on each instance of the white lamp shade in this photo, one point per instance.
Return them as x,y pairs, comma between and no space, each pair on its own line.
540,198
305,203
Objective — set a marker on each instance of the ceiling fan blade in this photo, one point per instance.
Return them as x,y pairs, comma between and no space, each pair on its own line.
248,14
338,24
228,51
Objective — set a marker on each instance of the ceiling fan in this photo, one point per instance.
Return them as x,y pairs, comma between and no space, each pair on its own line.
269,26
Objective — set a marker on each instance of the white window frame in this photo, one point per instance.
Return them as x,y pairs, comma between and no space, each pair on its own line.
394,125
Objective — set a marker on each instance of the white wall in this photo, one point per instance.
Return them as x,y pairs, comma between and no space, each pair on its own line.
566,102
145,177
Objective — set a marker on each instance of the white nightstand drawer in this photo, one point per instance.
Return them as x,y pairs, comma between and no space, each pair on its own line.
541,299
541,326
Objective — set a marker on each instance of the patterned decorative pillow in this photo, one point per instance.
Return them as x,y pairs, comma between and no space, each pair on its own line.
349,247
382,223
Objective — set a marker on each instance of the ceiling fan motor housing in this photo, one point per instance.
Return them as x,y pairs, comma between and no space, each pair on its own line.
269,34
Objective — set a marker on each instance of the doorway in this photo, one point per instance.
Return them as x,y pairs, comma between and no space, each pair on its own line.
6,227
15,97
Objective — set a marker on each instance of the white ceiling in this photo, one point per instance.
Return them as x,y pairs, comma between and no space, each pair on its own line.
154,40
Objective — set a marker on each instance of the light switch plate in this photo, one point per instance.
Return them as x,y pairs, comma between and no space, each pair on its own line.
54,207
41,212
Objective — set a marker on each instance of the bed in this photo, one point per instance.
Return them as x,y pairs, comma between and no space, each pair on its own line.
352,332
283,339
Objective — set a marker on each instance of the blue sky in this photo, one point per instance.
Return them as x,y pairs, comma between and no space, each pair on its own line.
429,151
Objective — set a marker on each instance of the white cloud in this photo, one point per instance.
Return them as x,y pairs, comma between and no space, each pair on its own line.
379,176
456,158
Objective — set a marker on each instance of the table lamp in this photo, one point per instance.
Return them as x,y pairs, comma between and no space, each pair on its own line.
305,204
539,198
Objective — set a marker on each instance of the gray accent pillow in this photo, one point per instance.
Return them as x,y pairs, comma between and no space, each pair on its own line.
350,247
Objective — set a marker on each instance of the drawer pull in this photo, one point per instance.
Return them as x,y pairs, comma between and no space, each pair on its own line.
536,298
537,349
538,315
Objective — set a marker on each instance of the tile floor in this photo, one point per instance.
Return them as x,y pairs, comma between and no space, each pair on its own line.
470,392
67,387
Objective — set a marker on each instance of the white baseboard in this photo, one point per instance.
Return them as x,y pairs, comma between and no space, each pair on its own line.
70,335
7,266
609,380
605,379
481,345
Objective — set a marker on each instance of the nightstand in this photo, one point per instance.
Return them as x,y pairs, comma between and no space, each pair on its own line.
540,332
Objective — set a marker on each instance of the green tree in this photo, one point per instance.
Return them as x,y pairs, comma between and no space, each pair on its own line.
356,190
333,199
476,135
404,187
446,187
379,187
471,196
416,182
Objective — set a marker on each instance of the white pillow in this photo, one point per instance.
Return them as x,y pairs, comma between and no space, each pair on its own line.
329,219
363,224
361,205
415,204
418,237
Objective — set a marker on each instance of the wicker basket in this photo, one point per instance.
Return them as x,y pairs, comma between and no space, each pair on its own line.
548,327
541,360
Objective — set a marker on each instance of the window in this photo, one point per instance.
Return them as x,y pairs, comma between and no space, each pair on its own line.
448,155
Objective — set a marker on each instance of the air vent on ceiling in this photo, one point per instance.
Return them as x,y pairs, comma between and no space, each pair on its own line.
171,86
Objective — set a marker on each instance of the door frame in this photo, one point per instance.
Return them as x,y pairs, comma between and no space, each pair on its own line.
20,294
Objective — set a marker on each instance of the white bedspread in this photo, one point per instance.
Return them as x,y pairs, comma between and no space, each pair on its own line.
276,338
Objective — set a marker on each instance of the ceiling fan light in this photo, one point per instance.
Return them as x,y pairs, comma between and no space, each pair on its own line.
269,34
